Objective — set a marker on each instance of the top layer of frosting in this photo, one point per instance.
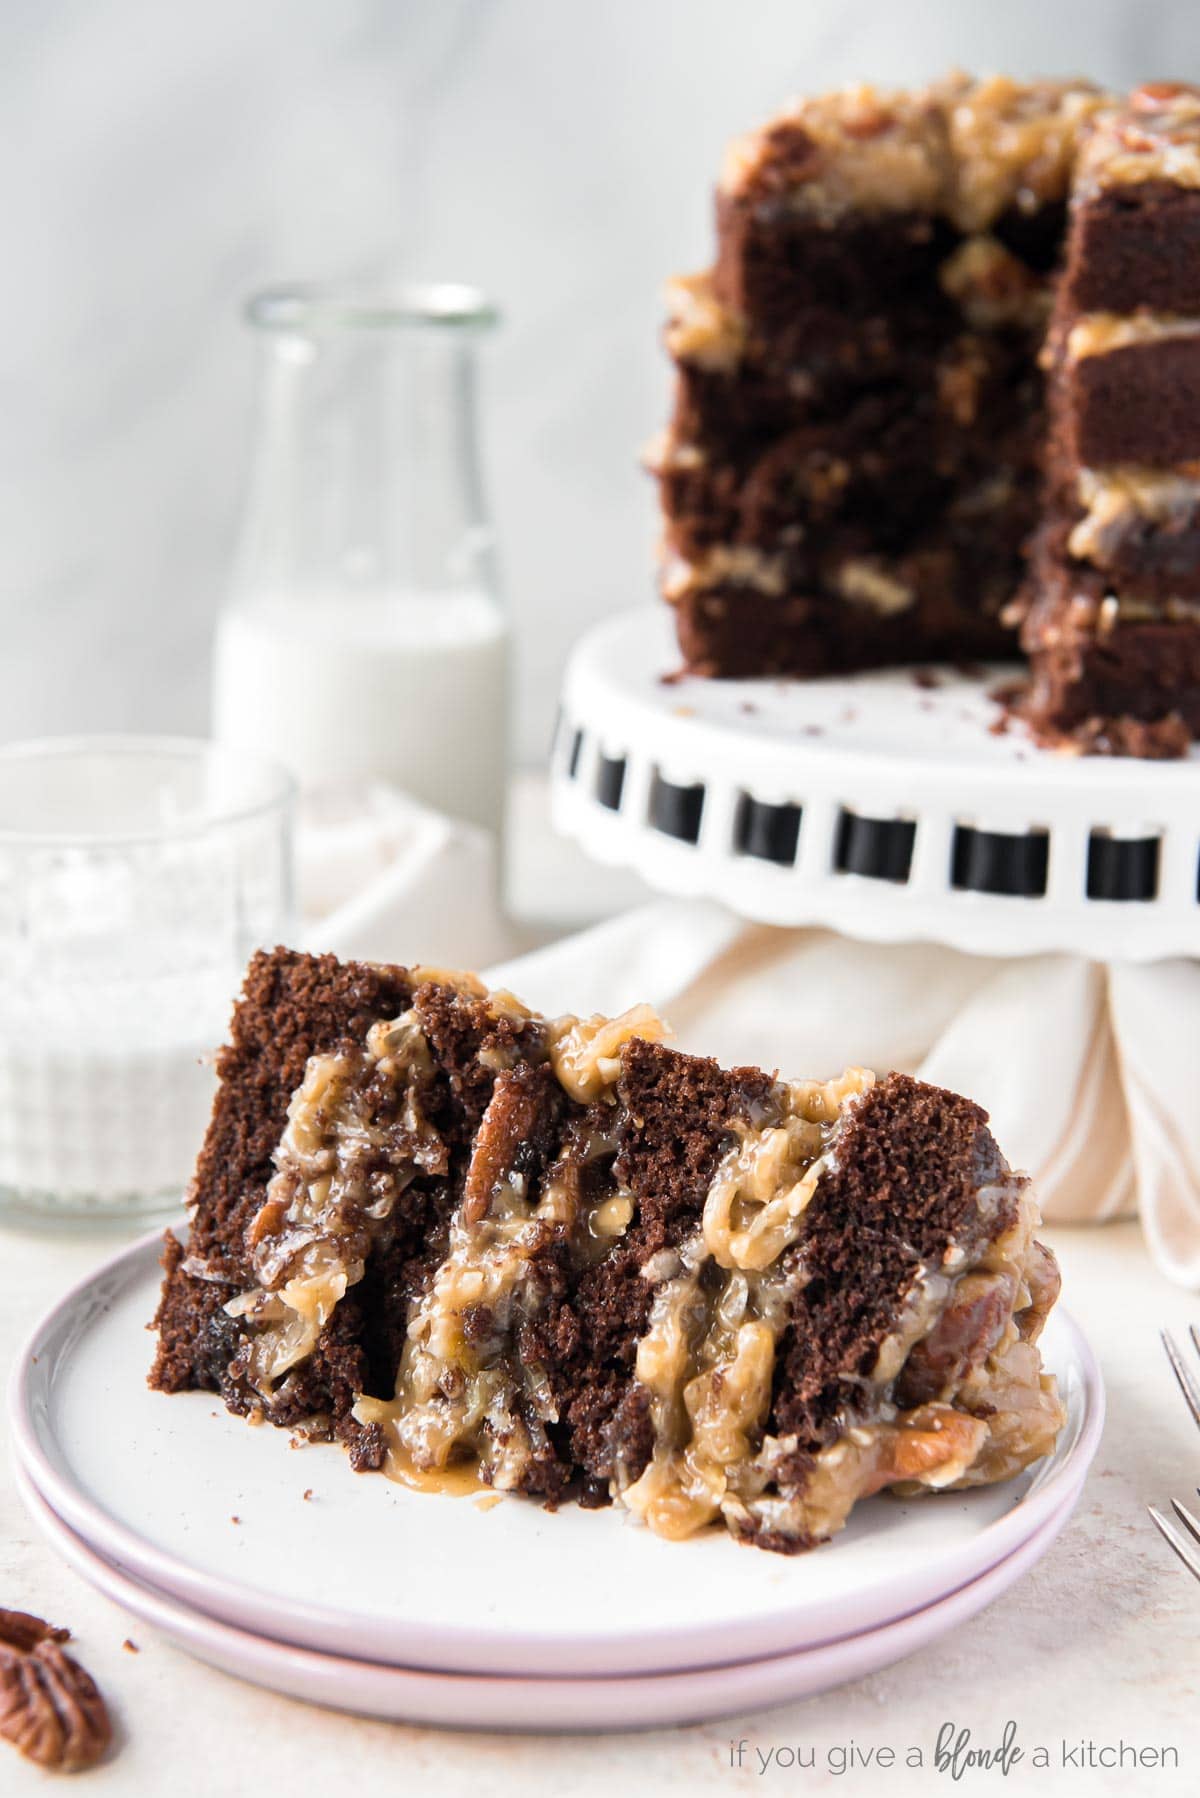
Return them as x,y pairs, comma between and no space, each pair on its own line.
968,150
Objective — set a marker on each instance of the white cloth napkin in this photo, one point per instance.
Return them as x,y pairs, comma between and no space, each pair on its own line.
378,871
1089,1072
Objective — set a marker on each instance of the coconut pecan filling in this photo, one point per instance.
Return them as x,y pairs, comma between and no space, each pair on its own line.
707,1359
963,1343
356,1137
1125,502
965,1347
464,1391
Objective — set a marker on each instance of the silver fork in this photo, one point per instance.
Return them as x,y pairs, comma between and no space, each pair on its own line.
1189,1385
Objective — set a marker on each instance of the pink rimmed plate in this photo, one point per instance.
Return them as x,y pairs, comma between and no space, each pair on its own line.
542,1705
287,1543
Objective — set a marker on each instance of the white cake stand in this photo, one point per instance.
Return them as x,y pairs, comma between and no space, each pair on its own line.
889,806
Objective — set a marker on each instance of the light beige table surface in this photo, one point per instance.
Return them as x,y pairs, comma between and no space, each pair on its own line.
1100,1643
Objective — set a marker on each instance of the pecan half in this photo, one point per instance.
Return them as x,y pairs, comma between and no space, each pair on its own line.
49,1707
514,1138
963,1337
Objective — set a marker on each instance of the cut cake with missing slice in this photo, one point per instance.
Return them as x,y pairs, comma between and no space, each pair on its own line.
943,380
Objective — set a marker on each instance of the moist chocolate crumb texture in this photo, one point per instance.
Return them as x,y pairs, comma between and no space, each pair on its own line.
560,1258
942,383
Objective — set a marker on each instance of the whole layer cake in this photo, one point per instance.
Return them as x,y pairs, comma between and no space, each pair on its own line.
865,465
561,1258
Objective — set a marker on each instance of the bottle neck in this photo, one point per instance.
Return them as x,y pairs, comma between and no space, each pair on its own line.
365,474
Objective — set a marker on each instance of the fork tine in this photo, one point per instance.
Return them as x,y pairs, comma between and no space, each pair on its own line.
1190,1523
1175,1541
1194,1333
1187,1384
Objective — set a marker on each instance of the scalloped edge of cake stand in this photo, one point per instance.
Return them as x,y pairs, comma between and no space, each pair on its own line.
890,806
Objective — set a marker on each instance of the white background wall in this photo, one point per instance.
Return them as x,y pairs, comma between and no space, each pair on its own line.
159,160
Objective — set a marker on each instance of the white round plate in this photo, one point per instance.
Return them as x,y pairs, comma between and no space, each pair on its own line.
289,1543
465,1701
886,805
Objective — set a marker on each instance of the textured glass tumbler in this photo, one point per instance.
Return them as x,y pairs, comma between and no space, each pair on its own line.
137,876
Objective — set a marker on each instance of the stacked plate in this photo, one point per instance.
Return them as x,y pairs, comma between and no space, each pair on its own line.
283,1568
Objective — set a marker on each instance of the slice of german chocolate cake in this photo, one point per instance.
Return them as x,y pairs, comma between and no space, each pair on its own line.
561,1258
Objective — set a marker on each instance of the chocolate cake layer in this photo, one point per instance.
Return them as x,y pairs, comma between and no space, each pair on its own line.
793,281
559,1257
1137,404
1136,246
739,632
797,494
884,463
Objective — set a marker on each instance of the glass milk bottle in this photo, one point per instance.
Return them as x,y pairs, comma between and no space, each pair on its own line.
364,638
